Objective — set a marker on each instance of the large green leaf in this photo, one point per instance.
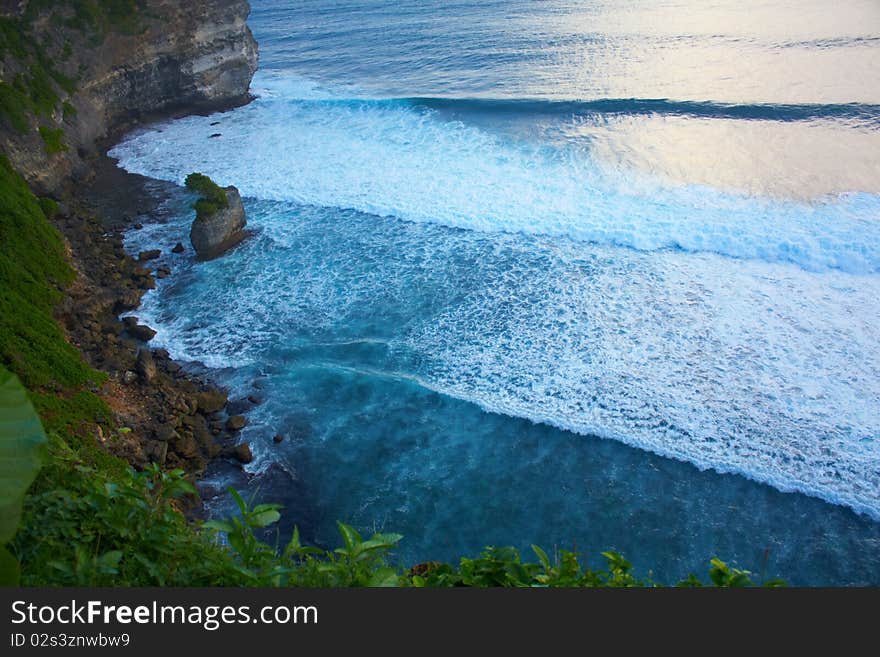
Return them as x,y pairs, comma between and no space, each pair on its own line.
21,445
10,571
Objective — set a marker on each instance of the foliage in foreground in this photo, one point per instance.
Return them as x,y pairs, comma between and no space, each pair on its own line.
21,440
94,531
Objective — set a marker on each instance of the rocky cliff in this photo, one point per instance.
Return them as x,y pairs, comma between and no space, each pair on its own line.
73,75
87,69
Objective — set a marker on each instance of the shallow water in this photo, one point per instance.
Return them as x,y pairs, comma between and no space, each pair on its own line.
491,235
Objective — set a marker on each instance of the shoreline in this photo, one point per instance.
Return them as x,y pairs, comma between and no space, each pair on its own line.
177,418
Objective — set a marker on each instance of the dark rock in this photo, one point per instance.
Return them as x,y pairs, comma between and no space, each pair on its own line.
211,401
166,432
173,368
138,226
143,256
213,123
157,451
236,423
238,406
277,438
110,327
205,439
163,272
128,300
216,233
185,445
142,332
178,248
162,354
215,135
256,400
129,322
145,366
242,453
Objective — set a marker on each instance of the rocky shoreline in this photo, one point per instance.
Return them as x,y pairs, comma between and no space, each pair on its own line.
96,80
176,419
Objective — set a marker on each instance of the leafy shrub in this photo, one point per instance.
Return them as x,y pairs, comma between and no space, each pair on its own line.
21,440
69,111
48,206
213,197
53,139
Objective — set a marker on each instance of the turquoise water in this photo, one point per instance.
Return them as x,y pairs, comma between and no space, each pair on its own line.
592,275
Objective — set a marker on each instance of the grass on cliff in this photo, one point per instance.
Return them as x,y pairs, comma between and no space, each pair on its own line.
38,86
95,18
53,140
212,196
33,270
34,90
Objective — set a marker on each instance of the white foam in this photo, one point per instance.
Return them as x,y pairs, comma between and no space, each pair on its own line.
761,368
298,143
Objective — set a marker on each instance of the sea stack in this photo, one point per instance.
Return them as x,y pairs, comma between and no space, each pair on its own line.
220,217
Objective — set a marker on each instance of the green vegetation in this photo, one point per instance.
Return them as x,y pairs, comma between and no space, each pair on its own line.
95,18
68,111
35,89
213,197
33,269
53,140
21,440
91,529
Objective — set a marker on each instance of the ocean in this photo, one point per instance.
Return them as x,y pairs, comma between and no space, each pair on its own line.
592,275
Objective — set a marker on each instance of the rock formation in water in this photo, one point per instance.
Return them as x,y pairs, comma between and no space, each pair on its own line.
214,233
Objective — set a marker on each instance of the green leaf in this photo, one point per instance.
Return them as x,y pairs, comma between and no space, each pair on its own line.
264,518
294,546
21,445
542,556
109,561
10,571
349,535
242,505
219,525
384,577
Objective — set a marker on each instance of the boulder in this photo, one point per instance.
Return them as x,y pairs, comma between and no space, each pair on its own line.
143,256
141,332
213,234
242,453
236,422
145,366
178,248
211,401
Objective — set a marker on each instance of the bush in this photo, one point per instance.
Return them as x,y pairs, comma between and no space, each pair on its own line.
53,140
213,197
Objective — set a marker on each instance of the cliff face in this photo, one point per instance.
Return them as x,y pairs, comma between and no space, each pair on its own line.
159,57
